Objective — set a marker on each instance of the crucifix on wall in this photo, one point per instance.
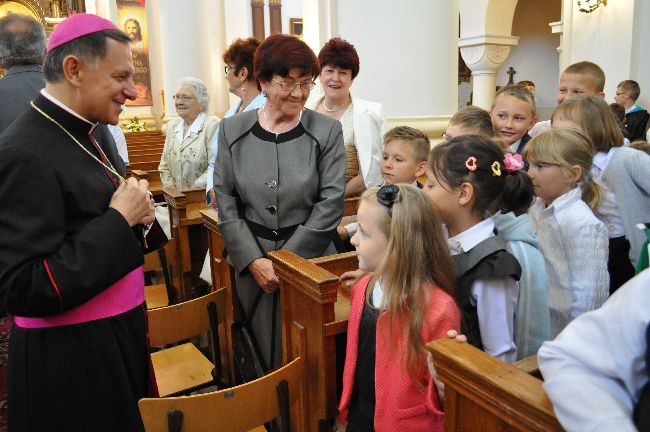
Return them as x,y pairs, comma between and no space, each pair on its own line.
511,74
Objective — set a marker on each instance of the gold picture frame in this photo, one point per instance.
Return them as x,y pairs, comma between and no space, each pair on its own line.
295,27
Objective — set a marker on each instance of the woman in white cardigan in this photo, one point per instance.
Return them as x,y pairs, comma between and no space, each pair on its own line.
184,162
362,121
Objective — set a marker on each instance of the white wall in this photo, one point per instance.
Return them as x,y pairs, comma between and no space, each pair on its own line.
605,38
290,9
535,58
408,53
640,64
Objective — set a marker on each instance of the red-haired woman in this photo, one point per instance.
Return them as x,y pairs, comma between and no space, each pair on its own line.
362,121
238,58
279,181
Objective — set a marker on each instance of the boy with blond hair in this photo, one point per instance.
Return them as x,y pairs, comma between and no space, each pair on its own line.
579,79
404,160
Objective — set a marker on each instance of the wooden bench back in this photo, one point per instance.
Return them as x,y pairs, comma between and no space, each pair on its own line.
235,409
486,394
184,320
314,309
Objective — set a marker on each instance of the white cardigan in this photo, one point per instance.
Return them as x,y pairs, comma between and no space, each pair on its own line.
369,127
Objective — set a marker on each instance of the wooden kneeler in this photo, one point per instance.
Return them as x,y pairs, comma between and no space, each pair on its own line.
242,408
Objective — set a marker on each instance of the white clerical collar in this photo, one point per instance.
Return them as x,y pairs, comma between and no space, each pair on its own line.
465,241
63,106
195,127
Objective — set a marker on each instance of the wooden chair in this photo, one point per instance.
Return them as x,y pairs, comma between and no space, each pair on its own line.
485,394
159,295
235,409
183,367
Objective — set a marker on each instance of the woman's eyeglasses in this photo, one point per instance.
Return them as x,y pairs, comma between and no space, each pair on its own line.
291,86
227,69
182,98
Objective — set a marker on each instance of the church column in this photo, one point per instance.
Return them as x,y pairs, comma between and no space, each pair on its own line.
409,57
192,41
484,55
257,12
275,16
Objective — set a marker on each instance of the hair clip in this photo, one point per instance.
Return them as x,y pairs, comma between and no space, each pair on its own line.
513,162
470,163
496,169
386,196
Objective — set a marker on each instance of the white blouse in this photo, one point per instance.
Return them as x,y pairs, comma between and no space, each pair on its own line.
575,248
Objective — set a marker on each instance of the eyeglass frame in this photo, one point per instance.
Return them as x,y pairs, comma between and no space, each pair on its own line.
183,98
291,87
446,136
227,69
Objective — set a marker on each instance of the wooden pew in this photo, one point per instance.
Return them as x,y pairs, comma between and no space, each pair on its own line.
485,394
221,278
184,208
350,206
155,184
314,309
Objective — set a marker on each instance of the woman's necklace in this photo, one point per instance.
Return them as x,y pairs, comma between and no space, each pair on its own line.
336,108
268,128
108,167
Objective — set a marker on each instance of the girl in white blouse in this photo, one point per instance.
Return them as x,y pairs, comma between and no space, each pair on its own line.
573,241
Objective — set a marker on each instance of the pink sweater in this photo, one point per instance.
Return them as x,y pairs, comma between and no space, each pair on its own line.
399,404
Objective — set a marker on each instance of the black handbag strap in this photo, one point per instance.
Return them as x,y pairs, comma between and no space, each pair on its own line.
253,307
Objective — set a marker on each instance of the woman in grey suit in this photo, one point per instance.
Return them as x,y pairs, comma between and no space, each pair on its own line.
279,181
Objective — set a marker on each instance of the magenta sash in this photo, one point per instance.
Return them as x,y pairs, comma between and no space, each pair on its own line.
122,296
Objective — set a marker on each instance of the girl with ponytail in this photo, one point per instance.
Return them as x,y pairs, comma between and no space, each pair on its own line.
469,178
573,241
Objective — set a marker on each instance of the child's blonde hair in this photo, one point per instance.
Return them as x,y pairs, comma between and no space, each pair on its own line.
566,147
417,139
520,92
416,255
474,119
590,69
596,120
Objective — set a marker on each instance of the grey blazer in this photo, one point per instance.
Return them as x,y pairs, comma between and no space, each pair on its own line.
628,176
18,87
297,180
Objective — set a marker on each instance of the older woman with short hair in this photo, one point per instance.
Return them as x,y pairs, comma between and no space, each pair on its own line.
362,121
184,162
279,182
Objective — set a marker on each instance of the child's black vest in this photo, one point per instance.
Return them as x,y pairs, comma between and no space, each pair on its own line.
488,259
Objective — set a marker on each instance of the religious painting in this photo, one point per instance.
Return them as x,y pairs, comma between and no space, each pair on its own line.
132,19
295,27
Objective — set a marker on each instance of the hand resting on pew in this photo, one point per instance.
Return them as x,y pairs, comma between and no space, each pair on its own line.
440,386
133,201
349,278
262,271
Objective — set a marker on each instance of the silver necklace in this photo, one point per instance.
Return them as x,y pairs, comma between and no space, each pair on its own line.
268,128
